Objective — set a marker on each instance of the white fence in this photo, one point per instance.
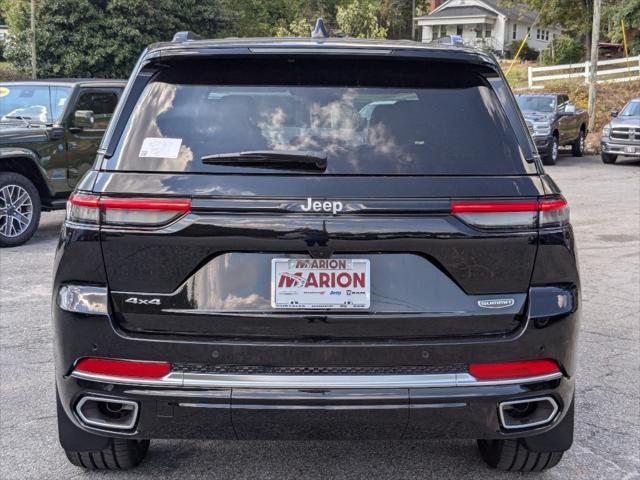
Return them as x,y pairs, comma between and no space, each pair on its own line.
627,72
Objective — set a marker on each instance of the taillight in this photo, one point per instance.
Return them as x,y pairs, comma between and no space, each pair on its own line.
123,368
520,214
83,208
509,370
145,212
554,212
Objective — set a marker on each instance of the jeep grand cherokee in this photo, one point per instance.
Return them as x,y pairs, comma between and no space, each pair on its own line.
316,238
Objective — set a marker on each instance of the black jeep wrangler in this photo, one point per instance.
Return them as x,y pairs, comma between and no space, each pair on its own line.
316,238
49,134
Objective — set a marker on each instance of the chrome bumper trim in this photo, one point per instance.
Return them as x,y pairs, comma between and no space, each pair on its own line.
301,382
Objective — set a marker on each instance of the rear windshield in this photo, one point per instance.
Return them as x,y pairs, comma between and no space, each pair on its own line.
363,122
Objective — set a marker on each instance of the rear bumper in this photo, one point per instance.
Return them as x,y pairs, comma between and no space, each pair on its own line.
314,413
193,402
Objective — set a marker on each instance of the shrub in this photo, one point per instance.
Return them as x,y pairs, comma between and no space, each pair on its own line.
561,50
527,53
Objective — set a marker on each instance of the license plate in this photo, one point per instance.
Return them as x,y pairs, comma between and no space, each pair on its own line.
630,149
320,283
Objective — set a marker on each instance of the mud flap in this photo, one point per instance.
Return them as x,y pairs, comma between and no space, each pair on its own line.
75,439
557,440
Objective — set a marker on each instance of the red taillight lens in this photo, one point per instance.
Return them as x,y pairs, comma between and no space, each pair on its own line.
123,368
504,371
125,211
501,214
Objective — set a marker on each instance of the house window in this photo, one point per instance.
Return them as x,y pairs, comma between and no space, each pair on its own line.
443,30
459,30
546,35
487,32
538,34
515,31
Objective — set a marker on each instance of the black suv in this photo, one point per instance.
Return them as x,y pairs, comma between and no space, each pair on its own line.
316,238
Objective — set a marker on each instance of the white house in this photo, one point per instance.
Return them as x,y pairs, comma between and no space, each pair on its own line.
4,32
485,24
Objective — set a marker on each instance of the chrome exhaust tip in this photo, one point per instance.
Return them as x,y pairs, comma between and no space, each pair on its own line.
526,413
111,413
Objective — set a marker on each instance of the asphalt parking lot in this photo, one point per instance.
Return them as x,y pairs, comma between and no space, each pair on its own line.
605,202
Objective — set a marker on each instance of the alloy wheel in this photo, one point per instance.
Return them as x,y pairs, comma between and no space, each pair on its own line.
16,210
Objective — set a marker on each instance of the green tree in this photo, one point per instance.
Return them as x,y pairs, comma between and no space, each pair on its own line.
574,16
297,28
103,38
629,11
360,19
562,50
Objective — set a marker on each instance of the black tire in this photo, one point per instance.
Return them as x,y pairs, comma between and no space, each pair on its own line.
119,455
608,158
514,456
551,157
13,232
577,147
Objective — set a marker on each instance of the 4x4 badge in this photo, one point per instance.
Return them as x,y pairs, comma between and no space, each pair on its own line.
143,301
497,303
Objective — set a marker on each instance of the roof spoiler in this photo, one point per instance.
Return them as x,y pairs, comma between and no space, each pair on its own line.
185,36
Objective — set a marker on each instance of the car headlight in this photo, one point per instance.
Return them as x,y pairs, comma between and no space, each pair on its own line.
541,129
606,130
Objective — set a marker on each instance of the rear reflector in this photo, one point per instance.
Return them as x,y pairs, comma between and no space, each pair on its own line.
145,212
503,371
123,368
502,214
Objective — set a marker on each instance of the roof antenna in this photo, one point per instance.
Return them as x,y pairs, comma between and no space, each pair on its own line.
319,31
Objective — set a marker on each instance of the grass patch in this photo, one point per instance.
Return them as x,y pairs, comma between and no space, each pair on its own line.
519,75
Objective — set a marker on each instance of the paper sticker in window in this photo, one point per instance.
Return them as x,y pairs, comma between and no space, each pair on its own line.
160,147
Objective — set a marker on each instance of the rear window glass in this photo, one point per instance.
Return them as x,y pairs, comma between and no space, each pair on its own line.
418,123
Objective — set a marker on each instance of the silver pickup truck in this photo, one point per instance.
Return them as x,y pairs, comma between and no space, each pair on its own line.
621,136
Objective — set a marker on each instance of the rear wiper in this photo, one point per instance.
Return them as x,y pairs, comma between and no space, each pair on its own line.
284,159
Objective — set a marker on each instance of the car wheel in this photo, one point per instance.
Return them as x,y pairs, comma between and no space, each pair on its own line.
577,147
514,456
119,455
608,158
19,209
551,156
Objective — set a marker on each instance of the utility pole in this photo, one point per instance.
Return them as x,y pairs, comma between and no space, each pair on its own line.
595,38
413,19
33,39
